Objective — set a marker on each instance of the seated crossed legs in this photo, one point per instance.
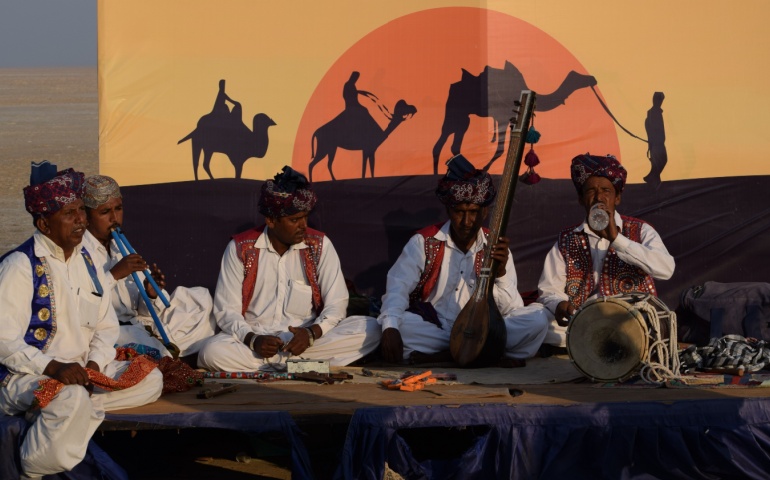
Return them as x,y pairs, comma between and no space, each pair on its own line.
281,292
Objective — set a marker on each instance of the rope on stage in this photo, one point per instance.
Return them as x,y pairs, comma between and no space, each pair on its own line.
661,363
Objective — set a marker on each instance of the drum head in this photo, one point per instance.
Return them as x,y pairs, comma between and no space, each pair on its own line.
607,340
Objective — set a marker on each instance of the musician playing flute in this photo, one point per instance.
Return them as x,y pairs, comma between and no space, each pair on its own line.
585,263
281,292
435,275
187,323
57,329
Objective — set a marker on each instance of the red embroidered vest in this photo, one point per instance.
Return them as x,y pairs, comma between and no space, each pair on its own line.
310,257
434,255
616,277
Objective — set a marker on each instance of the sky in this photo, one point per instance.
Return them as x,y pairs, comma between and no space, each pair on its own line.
47,33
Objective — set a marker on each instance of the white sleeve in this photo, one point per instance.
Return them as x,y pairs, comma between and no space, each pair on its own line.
553,280
228,298
15,313
506,291
650,255
333,289
403,277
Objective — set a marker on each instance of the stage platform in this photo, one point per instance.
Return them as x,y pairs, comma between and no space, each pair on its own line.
541,421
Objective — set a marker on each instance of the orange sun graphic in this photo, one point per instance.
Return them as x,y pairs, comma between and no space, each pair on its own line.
415,59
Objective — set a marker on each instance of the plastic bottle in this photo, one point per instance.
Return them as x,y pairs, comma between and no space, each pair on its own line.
598,219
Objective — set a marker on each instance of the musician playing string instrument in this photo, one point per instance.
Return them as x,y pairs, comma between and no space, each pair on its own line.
585,263
435,275
188,322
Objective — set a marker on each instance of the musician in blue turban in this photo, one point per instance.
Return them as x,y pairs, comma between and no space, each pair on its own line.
281,292
622,257
435,275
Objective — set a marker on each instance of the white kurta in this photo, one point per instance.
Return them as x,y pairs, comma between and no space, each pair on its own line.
650,255
188,322
283,298
86,330
525,326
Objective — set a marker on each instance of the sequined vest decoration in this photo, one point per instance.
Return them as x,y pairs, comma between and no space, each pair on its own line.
42,324
434,255
309,257
617,277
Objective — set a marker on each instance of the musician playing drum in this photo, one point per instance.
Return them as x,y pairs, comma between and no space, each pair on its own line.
435,275
585,263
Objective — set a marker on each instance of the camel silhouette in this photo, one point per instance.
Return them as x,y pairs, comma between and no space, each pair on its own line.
355,129
472,94
223,131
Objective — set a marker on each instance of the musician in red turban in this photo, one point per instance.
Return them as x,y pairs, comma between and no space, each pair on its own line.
58,329
435,275
281,291
622,257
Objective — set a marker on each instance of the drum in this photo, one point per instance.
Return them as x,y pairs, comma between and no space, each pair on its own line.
609,338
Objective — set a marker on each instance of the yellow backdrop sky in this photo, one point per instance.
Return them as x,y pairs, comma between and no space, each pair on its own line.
159,64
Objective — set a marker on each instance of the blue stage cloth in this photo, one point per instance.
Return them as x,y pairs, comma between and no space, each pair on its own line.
96,463
708,439
251,422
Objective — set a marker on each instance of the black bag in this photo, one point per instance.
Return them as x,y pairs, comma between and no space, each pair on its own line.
715,309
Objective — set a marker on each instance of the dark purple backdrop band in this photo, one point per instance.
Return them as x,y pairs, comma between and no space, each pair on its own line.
717,229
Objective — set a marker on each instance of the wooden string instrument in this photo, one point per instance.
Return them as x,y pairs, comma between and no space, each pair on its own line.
478,336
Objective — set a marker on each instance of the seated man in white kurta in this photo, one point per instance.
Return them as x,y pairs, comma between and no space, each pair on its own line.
188,322
56,324
281,291
435,275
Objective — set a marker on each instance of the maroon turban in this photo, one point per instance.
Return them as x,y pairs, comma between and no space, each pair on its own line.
463,183
48,192
586,166
288,193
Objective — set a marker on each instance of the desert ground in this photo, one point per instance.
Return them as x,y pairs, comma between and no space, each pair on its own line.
45,114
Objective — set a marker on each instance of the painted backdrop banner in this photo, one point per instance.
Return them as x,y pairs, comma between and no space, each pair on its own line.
239,88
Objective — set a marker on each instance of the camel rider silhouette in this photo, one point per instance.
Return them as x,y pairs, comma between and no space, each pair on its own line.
221,110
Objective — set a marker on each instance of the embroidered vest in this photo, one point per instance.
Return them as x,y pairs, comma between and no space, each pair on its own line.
434,255
309,257
616,277
42,323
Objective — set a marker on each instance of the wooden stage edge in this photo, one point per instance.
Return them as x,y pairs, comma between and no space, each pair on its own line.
310,403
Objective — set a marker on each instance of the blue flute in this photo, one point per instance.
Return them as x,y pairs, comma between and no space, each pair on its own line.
147,301
147,273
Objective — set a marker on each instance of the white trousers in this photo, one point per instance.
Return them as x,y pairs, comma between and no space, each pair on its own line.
557,335
350,340
58,437
525,329
188,322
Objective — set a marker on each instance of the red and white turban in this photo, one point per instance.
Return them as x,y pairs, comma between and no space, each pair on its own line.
288,193
463,183
49,190
586,166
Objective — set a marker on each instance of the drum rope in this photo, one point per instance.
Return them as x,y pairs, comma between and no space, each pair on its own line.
661,363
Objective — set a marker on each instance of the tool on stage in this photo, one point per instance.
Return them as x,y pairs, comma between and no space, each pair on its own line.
125,249
478,336
211,393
